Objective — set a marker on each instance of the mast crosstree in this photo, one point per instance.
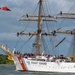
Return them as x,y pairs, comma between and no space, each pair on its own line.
40,18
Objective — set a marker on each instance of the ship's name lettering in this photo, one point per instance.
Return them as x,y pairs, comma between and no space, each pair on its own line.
42,63
34,62
28,62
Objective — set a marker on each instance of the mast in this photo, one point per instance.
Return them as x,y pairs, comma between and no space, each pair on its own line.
74,46
39,18
39,28
72,32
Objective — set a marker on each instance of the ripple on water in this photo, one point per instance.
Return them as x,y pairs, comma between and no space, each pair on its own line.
10,70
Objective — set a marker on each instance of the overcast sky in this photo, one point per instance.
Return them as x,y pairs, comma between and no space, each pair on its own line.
9,23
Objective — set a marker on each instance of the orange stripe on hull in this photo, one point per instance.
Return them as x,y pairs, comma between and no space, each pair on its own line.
22,63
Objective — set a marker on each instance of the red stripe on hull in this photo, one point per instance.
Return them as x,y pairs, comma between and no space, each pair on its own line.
22,63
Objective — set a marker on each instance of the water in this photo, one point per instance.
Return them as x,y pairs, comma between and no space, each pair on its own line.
10,70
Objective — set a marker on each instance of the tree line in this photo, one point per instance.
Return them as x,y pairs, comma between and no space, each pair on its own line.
4,60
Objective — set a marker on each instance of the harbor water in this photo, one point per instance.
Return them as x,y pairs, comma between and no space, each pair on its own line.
10,70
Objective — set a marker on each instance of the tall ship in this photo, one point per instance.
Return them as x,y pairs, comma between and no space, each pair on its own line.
40,60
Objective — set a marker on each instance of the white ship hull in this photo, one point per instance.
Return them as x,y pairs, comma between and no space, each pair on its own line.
24,64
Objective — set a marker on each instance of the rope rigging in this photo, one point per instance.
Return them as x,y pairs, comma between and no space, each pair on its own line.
47,28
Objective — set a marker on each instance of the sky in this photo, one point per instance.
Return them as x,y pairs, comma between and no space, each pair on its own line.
9,23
